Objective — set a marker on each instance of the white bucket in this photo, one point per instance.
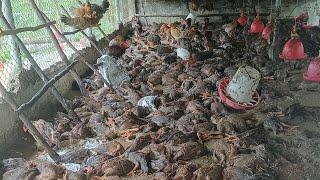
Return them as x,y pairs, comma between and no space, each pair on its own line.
243,85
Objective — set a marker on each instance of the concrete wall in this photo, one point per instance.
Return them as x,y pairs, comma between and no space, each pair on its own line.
11,132
176,7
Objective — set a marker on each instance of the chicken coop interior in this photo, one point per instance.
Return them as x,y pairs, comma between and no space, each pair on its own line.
160,89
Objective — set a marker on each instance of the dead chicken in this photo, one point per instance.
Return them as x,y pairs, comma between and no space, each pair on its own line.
189,150
139,160
184,172
213,172
76,156
21,173
113,148
49,171
116,167
221,150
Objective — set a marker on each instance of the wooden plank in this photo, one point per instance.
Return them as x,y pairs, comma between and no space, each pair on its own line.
33,131
46,87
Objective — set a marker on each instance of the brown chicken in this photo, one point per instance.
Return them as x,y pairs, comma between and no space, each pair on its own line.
175,32
230,28
165,31
89,15
84,11
194,5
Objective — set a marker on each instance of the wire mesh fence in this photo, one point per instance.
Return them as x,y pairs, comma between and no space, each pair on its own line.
38,42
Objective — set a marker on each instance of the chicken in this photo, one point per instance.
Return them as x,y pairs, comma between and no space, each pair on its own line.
165,31
191,33
194,5
84,11
230,28
89,15
175,32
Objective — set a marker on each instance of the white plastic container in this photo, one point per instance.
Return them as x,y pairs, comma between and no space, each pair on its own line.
243,84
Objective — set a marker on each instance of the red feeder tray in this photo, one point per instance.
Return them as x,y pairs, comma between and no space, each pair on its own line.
257,26
293,50
231,103
313,72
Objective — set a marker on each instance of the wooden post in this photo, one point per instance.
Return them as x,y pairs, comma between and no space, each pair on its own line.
14,49
60,51
33,131
34,64
83,59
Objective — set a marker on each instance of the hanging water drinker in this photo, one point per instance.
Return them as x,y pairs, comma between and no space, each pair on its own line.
313,72
293,49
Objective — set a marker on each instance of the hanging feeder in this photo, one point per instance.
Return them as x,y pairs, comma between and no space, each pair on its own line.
293,49
257,25
313,72
243,19
240,93
268,29
233,104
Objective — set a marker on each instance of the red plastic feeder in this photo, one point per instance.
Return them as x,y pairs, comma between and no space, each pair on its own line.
231,103
313,72
267,31
242,19
257,25
293,50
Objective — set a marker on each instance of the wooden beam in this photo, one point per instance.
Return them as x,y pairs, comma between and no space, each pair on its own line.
62,55
44,88
34,64
83,59
33,131
25,29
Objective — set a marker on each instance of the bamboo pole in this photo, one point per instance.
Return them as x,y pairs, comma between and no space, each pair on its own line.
34,64
83,59
60,51
33,131
25,29
83,33
46,87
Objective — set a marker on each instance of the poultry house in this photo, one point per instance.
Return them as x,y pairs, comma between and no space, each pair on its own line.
175,90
